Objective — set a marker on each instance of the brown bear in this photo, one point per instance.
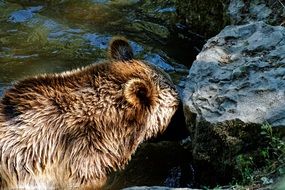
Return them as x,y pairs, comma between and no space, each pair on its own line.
69,130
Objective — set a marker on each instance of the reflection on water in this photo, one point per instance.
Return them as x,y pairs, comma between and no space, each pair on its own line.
61,35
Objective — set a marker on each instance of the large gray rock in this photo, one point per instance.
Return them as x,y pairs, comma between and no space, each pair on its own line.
236,84
240,74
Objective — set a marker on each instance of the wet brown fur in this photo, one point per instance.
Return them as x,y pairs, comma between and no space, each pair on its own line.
69,130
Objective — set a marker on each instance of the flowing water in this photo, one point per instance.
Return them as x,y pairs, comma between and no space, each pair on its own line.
58,35
53,36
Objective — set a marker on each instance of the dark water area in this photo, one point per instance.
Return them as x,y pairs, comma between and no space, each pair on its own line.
58,35
164,163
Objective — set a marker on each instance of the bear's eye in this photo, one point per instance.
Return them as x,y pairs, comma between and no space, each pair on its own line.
155,78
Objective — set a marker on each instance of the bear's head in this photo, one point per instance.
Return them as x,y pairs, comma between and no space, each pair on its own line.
149,91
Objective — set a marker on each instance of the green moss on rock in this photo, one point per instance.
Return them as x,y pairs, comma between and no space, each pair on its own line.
235,152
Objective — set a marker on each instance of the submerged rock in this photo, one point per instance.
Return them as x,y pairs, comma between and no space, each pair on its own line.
160,62
160,11
149,28
24,15
235,85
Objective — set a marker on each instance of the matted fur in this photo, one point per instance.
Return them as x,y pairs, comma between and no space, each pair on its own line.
69,130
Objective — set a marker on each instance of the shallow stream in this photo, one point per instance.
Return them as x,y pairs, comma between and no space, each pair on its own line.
54,36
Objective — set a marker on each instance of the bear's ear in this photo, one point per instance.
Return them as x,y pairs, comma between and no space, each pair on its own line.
120,49
140,93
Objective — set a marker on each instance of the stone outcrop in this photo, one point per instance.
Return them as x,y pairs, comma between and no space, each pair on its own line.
235,85
240,75
269,11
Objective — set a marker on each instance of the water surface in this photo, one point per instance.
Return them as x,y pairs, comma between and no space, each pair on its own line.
53,36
